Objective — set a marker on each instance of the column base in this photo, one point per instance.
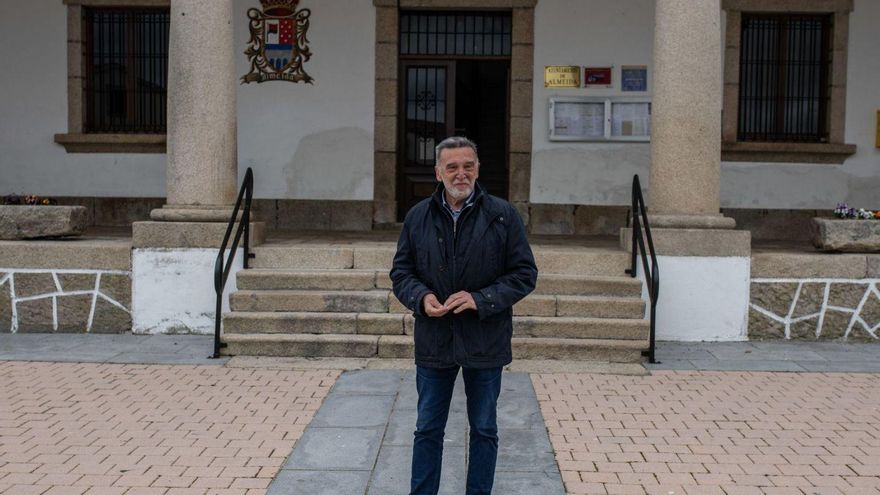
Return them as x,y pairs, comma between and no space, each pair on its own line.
188,234
704,282
192,213
717,222
694,242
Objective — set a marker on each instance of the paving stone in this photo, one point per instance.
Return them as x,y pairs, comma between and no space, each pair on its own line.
35,315
34,284
76,281
350,411
538,483
110,318
392,473
804,330
73,313
336,449
515,412
774,297
809,300
116,287
292,482
524,450
372,382
762,326
746,365
5,306
402,425
846,295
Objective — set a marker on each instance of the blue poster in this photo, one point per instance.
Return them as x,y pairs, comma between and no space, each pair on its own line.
634,78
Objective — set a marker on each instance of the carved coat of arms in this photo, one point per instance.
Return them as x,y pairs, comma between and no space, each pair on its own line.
278,46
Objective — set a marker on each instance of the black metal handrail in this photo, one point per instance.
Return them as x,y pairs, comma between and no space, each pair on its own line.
652,276
223,264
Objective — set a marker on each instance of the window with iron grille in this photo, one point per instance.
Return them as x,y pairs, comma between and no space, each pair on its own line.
784,78
126,63
455,34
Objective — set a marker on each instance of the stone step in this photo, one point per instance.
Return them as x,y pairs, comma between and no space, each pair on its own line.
317,323
353,301
304,345
357,279
398,324
383,301
342,279
579,285
401,346
583,261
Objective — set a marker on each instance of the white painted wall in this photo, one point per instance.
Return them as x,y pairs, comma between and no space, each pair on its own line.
303,141
592,33
33,108
599,32
701,298
172,290
313,141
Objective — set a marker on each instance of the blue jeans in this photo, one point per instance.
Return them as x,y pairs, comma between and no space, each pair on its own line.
482,387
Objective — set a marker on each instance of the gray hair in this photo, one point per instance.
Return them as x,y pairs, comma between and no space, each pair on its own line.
451,143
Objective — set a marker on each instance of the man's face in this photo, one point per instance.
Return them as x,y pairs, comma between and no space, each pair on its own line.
458,169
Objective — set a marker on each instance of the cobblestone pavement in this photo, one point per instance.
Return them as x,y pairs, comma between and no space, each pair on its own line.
114,429
725,433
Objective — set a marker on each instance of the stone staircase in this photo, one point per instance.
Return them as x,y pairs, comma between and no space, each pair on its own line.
329,300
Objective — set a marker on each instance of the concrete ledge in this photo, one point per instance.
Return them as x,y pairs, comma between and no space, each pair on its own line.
695,242
187,234
72,254
786,152
813,265
112,143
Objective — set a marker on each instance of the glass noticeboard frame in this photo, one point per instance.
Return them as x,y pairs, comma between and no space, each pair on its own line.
613,118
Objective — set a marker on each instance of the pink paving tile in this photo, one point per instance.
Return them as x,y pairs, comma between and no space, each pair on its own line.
730,433
106,429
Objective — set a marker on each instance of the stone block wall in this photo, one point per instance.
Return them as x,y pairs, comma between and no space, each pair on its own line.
815,309
72,301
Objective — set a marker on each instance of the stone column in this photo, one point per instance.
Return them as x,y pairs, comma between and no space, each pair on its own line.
686,116
704,264
202,167
173,255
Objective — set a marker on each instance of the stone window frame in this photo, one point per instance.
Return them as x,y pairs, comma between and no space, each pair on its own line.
836,150
386,95
75,140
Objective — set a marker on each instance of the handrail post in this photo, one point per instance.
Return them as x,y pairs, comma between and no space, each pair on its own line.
223,265
652,275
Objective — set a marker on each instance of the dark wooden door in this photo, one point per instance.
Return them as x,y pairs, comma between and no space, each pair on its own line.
427,118
442,98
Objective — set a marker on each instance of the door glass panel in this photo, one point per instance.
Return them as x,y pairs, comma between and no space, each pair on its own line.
425,122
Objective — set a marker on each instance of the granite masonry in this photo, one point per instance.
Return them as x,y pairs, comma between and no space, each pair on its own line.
72,301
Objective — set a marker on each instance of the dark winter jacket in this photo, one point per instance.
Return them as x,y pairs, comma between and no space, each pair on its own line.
486,254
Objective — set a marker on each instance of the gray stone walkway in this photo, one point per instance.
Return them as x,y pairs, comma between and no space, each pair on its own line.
120,348
768,356
360,441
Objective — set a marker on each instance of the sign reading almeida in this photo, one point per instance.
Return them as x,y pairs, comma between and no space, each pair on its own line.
562,76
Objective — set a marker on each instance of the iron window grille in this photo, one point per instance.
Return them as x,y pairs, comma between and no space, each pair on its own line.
455,34
784,78
126,70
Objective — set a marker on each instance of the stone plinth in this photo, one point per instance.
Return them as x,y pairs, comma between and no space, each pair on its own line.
34,222
189,234
854,236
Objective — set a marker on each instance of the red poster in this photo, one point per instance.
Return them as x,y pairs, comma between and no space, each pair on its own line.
597,76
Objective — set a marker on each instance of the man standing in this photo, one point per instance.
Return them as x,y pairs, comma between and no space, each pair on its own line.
462,262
